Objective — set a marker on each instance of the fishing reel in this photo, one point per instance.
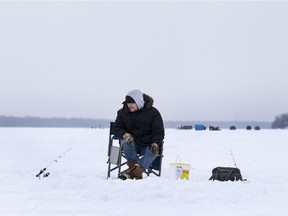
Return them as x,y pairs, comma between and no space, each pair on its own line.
42,172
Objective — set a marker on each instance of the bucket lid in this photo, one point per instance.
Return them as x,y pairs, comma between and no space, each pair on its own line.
182,164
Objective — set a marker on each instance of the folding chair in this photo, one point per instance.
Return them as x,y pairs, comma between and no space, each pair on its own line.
116,155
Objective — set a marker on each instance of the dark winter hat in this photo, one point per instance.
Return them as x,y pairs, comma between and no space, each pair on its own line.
129,99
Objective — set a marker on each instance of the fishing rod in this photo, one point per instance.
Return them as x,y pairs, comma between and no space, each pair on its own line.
233,159
244,179
42,171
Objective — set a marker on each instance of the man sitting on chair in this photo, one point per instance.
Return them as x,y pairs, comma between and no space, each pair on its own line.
140,125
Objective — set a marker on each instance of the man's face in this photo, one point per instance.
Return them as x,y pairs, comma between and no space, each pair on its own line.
132,107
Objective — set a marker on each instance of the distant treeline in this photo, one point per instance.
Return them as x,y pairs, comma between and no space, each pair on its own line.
10,121
281,121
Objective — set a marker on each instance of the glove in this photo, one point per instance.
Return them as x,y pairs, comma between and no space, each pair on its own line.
128,138
154,149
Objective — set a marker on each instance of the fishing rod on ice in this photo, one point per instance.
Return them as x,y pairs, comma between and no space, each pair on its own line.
233,159
236,164
46,174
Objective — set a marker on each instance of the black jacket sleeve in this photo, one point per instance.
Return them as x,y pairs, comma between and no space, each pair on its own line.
118,126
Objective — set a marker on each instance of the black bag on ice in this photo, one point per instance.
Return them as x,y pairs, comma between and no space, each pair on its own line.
226,174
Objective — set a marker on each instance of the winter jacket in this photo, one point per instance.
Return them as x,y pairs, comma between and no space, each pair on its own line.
145,125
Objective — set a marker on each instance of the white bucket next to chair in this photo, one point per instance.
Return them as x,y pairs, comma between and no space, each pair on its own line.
179,170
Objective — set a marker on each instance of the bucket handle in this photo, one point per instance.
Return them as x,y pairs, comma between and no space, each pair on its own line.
178,158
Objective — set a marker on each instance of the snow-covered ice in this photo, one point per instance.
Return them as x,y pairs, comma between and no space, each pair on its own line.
78,184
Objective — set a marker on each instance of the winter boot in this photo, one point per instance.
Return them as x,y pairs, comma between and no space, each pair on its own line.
133,172
130,165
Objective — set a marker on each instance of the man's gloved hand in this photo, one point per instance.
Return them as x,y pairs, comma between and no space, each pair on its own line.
128,138
154,149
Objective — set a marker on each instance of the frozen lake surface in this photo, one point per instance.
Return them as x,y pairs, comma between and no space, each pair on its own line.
78,184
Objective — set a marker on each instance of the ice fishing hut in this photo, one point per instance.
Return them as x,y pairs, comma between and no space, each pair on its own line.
200,127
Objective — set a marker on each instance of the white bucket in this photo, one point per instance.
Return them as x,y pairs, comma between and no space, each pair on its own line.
179,170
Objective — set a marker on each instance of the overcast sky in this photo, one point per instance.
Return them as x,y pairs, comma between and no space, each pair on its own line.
198,60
